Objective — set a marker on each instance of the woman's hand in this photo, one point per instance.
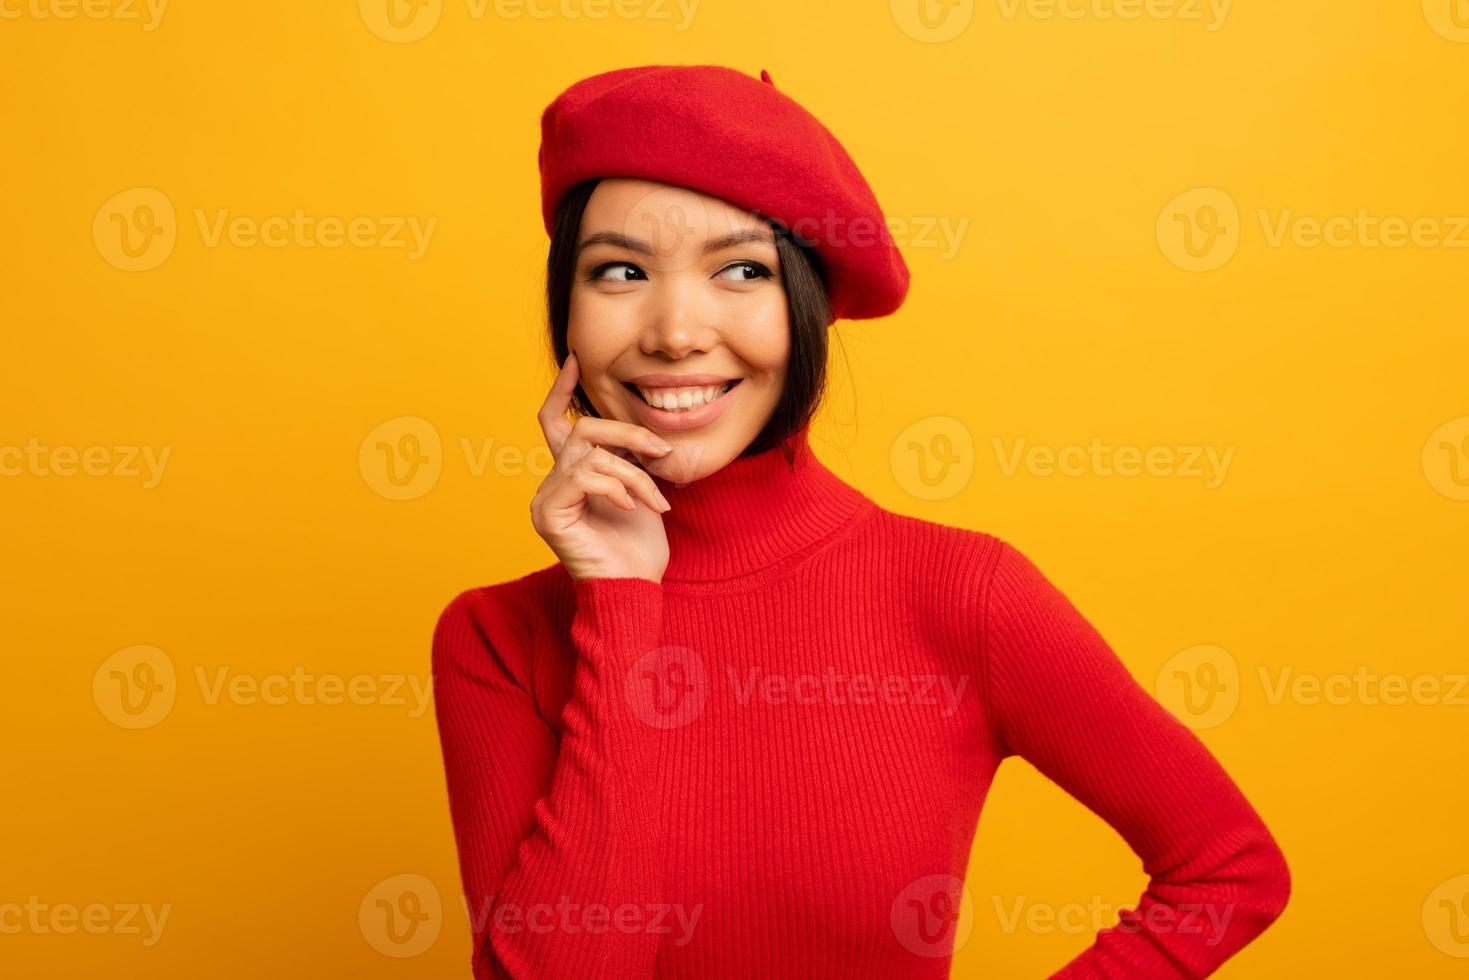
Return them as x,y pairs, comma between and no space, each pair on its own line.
599,512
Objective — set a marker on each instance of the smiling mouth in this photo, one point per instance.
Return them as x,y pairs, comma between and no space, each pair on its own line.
677,400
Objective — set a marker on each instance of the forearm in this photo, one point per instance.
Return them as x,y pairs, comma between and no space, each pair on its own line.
1201,905
562,855
1062,699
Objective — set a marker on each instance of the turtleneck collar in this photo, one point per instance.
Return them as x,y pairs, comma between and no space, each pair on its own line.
754,513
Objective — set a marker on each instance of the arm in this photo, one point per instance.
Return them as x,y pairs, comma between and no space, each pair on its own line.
1061,698
549,835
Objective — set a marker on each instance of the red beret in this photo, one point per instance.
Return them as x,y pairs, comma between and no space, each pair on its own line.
717,130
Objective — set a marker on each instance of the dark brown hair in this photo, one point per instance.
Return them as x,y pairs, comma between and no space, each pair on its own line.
806,301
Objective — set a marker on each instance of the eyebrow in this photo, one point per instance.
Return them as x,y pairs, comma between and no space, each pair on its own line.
642,247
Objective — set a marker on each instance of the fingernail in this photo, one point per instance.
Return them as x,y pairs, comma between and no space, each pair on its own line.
662,446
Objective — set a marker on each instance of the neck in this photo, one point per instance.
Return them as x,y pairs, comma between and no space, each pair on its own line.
754,513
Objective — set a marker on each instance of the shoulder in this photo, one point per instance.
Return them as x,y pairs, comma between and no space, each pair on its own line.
937,553
946,570
959,568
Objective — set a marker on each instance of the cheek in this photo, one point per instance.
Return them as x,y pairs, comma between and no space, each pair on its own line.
599,332
763,338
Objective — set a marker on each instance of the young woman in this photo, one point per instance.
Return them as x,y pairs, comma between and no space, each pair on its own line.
745,724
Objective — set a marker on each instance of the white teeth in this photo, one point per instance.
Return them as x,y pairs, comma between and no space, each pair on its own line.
682,399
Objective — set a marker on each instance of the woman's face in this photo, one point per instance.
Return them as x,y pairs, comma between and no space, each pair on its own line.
680,295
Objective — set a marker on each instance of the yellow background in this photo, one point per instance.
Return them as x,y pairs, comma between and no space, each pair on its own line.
270,544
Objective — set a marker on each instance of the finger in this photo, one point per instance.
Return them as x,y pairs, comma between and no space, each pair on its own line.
590,432
552,416
636,480
581,483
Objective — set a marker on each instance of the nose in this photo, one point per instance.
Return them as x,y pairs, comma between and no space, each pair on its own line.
681,317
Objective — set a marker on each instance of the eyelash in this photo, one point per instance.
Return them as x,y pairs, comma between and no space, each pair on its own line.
762,272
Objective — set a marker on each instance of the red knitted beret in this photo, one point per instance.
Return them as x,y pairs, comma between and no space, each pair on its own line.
717,130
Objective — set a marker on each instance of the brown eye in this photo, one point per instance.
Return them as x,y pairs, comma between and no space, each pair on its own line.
635,273
747,272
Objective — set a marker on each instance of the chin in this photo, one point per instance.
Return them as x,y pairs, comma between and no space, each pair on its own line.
692,458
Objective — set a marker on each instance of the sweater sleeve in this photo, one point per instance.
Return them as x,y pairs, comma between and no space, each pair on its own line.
559,852
1061,698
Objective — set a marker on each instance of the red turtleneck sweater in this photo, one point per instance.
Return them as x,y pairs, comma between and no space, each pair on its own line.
772,763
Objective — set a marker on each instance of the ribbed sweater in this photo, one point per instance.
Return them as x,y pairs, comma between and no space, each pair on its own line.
771,764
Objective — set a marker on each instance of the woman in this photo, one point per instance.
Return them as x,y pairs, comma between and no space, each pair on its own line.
745,724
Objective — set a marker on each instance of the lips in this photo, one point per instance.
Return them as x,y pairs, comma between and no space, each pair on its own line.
683,419
678,380
682,398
